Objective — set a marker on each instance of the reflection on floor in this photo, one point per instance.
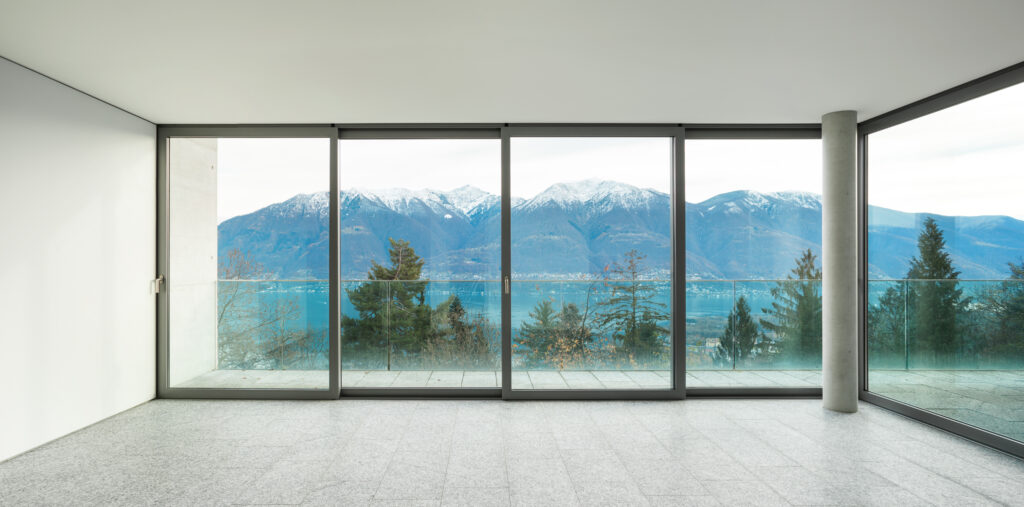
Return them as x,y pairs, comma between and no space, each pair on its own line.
992,400
490,452
531,379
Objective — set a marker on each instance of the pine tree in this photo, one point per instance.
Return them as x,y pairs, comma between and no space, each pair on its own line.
392,309
740,337
456,316
457,341
1004,308
538,336
887,327
573,337
935,300
631,313
795,315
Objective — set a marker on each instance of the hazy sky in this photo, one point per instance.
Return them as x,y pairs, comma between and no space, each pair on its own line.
440,164
965,160
252,173
716,166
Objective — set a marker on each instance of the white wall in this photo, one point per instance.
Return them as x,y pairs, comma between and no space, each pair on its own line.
77,253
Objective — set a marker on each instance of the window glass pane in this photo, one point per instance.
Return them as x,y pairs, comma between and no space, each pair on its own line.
421,260
946,262
591,263
247,281
753,263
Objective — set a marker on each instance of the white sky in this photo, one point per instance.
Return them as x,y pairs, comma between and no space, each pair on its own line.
439,164
716,166
964,160
253,173
539,162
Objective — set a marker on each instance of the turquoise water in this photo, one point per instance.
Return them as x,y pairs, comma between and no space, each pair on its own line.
306,309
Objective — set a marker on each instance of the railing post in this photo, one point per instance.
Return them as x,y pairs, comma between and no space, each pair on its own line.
732,311
906,327
387,320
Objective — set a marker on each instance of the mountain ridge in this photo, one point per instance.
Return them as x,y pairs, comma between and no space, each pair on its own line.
740,234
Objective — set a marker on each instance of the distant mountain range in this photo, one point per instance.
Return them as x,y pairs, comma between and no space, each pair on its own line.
577,229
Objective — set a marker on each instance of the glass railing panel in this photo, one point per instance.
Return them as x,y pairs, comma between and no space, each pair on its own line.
753,333
886,330
785,319
270,334
421,334
708,307
591,335
953,347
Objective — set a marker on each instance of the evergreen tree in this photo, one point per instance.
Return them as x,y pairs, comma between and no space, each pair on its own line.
573,337
795,315
392,313
456,316
457,341
1004,308
631,313
887,327
935,300
740,337
538,336
573,330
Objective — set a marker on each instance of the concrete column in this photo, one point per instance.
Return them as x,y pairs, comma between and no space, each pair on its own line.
839,261
192,273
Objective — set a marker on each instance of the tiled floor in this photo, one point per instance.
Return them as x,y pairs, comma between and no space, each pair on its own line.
484,452
991,399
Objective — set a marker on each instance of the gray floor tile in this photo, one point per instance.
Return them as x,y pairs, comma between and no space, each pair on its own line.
476,497
472,452
414,476
744,493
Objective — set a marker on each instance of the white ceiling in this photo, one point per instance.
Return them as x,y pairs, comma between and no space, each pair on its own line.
323,61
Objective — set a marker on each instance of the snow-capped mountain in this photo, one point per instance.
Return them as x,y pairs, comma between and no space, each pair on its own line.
464,201
749,201
573,229
606,194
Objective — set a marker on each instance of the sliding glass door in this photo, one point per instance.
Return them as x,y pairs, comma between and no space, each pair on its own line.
245,255
591,251
753,250
420,260
945,267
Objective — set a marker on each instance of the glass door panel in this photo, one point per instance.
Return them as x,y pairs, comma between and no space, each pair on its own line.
591,259
753,251
420,263
945,289
248,242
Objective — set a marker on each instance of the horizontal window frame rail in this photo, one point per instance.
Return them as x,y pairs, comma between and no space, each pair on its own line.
247,131
989,83
594,130
371,133
669,394
754,131
421,392
754,392
247,393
